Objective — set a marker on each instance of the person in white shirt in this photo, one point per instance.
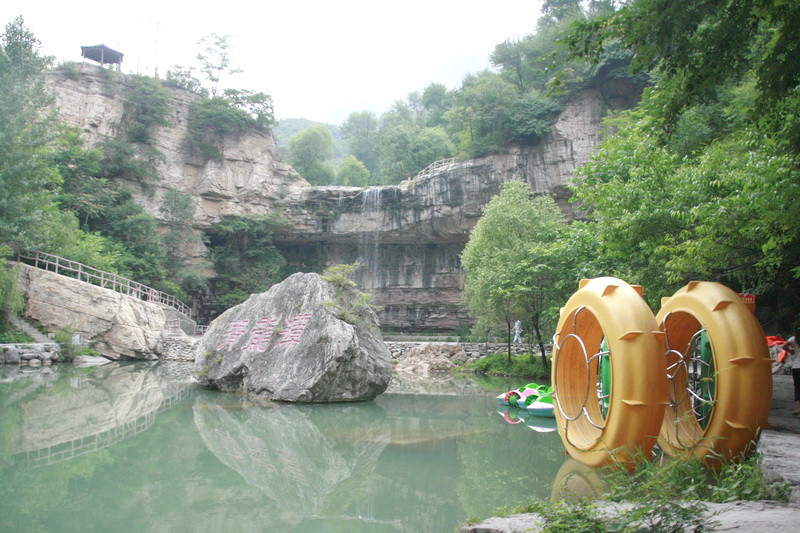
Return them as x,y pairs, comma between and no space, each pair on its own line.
792,347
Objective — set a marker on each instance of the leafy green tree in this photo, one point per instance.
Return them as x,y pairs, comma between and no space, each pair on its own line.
352,173
512,259
511,55
28,176
361,131
124,160
178,211
147,105
244,258
257,105
555,11
215,59
436,100
693,47
310,152
183,77
212,119
12,302
700,181
661,219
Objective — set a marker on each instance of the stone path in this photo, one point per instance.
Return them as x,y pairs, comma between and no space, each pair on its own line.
25,326
780,446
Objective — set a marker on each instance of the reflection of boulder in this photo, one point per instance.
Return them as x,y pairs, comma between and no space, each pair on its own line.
437,383
311,460
110,398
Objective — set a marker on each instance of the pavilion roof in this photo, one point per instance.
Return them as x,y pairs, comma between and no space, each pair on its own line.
101,53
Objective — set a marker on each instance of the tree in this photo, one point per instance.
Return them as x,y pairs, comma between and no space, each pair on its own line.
694,47
509,266
309,153
147,105
361,129
352,173
183,77
436,100
28,176
244,257
178,210
215,59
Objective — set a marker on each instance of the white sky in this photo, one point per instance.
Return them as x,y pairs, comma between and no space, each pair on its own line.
319,60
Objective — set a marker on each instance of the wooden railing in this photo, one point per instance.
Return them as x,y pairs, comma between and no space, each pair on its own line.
436,165
107,280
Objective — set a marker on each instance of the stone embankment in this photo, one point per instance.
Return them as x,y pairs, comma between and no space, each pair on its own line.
34,354
472,350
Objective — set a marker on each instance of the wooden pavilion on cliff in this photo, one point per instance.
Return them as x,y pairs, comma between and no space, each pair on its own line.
103,55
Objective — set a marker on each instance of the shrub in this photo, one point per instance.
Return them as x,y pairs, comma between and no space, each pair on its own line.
212,119
351,304
520,366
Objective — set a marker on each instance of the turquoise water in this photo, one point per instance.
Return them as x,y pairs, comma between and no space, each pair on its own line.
138,447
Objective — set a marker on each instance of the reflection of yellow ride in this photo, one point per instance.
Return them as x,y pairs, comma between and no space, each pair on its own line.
717,401
576,481
610,308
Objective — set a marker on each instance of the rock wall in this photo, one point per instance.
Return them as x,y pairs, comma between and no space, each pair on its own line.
408,238
116,325
248,180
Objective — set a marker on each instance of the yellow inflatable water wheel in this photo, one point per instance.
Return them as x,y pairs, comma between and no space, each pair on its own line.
612,309
719,374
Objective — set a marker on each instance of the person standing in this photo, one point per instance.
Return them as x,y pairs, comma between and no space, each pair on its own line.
518,332
792,347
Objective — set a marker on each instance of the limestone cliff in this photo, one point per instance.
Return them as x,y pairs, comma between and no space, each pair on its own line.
248,180
407,237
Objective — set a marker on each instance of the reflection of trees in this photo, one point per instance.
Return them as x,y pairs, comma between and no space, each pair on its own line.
312,460
505,469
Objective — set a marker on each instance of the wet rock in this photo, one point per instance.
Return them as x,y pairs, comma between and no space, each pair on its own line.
11,355
290,344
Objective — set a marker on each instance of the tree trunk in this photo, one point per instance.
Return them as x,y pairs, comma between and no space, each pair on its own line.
541,344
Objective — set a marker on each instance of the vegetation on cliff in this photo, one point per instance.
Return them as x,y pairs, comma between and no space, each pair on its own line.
514,104
701,180
59,195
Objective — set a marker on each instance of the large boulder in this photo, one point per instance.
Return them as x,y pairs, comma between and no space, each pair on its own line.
305,340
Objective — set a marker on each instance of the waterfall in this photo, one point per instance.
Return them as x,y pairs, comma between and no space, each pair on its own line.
372,199
369,240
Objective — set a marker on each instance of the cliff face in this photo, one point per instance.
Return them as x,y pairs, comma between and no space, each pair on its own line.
248,180
407,237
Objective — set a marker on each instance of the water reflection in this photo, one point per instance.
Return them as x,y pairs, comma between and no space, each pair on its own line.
83,410
310,460
137,447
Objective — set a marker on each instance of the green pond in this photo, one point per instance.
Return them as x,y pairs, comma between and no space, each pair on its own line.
139,447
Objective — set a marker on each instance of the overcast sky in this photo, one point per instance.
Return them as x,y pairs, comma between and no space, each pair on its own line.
319,60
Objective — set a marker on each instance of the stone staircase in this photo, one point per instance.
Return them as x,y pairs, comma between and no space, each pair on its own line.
27,327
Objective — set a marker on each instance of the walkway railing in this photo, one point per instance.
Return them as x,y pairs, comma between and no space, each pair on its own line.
435,166
106,280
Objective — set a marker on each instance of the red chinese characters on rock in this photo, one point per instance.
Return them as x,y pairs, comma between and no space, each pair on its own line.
296,325
260,335
232,335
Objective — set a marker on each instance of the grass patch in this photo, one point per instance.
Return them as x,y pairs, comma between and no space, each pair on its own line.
497,364
660,496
